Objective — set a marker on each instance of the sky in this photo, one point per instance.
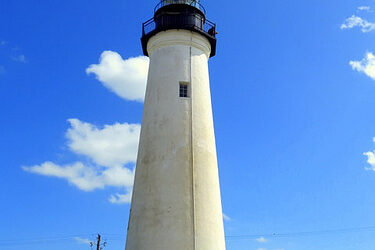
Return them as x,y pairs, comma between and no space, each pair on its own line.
293,96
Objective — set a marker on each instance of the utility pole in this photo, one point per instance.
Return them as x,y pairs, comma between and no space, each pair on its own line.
98,242
99,245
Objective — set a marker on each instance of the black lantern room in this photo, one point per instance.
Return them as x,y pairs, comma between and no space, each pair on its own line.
179,14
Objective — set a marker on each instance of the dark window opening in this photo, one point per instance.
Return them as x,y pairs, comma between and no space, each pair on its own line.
184,90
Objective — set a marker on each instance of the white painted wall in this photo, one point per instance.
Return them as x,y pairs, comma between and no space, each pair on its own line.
176,201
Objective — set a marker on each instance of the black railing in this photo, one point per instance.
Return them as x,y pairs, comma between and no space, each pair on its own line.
190,22
148,27
193,3
179,14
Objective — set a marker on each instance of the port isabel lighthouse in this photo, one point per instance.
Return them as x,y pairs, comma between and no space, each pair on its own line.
176,203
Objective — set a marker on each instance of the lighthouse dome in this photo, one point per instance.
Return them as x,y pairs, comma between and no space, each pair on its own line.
179,14
193,3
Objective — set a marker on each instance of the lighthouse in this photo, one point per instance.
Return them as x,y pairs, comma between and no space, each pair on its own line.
176,203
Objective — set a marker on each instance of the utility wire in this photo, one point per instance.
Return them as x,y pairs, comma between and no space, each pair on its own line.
301,234
116,237
56,239
45,238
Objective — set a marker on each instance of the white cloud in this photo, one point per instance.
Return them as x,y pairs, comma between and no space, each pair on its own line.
86,178
19,58
126,78
366,65
370,159
355,21
82,240
364,8
108,149
111,150
112,146
83,177
261,240
121,198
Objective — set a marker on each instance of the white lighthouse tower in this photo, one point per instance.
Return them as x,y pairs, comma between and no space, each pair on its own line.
176,202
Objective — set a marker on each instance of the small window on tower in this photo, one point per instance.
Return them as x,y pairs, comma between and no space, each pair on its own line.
184,89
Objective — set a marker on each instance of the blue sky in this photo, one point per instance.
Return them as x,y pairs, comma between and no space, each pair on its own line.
293,91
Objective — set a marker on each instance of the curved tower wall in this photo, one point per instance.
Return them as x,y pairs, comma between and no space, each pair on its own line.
176,202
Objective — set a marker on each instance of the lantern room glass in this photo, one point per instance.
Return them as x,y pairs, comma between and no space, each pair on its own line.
189,2
181,1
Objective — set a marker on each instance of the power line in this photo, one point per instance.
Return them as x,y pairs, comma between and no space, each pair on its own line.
115,237
301,233
44,240
36,240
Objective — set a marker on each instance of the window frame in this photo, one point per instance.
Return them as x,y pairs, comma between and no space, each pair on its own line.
183,90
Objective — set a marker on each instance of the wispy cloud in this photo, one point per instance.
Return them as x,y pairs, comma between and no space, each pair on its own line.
366,65
82,240
121,198
14,53
85,177
108,150
126,78
226,217
19,58
356,21
364,8
261,240
2,70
